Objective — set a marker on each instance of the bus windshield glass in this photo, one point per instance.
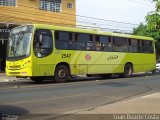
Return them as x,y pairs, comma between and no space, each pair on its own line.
19,43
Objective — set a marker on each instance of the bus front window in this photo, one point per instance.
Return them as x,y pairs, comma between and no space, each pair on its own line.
19,43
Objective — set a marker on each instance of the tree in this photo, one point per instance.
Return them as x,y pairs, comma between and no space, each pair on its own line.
157,5
152,26
153,18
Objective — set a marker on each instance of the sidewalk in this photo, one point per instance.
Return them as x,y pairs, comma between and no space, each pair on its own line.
4,78
149,104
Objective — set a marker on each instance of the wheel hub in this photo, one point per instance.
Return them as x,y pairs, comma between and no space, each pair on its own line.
61,73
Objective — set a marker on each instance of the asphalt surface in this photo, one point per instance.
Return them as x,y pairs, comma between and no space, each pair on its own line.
24,97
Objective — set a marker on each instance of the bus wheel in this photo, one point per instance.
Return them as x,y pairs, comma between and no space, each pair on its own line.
61,73
128,70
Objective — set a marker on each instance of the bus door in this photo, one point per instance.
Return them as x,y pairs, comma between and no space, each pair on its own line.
43,49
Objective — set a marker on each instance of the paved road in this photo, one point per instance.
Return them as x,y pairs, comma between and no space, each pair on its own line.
26,97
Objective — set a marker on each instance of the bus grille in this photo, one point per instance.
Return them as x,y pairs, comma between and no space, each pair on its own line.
14,73
15,67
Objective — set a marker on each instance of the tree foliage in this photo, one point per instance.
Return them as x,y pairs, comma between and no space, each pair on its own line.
153,18
152,26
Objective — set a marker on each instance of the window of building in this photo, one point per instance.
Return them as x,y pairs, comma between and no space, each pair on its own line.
7,2
50,5
69,5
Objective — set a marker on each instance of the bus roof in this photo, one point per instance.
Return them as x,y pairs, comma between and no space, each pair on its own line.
90,31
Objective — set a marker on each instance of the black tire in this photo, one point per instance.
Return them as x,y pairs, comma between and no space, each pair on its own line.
62,73
37,79
128,70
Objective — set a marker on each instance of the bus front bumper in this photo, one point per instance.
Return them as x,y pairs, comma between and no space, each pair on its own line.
24,72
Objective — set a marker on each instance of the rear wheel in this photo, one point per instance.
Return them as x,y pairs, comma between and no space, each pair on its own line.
128,70
62,73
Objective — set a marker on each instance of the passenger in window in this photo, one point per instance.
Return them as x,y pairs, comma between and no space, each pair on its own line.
98,46
71,41
89,46
109,47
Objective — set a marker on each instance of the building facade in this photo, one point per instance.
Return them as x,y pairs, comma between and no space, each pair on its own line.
19,12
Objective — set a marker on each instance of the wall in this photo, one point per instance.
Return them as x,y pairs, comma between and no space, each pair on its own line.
27,11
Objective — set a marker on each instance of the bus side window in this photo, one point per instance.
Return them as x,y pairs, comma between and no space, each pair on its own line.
134,46
109,44
43,43
101,43
90,44
62,39
71,41
130,47
76,40
147,46
97,43
120,44
83,40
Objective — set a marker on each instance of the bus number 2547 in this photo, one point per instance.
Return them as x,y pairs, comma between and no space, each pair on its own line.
66,55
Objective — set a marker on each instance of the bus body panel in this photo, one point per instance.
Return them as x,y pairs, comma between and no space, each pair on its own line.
90,62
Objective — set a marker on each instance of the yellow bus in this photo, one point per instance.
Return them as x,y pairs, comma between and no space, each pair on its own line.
38,51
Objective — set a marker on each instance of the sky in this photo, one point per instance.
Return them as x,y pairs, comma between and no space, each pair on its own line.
128,11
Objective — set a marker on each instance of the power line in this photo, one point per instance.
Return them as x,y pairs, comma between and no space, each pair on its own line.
31,15
82,16
87,19
106,27
69,25
64,17
142,2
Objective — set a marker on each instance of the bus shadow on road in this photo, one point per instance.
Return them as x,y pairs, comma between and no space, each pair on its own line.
83,78
114,76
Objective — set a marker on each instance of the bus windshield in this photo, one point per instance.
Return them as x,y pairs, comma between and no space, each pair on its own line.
19,42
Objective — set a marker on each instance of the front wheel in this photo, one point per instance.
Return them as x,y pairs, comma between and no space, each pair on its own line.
128,70
61,73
